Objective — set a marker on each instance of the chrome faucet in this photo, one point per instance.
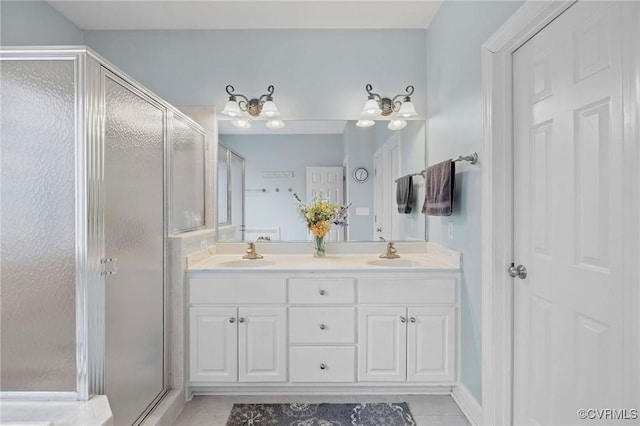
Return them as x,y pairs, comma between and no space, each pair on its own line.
251,252
391,252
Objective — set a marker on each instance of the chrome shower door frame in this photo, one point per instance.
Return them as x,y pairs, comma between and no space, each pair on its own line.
84,264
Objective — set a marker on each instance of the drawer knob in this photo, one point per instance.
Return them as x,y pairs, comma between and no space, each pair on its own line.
323,366
322,292
241,319
323,327
403,319
232,320
412,319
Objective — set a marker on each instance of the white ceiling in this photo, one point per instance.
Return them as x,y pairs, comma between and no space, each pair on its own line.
292,127
247,14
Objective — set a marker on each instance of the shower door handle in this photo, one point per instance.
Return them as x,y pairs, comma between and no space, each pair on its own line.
109,266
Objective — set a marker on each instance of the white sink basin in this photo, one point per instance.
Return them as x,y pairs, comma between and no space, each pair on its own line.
393,263
246,263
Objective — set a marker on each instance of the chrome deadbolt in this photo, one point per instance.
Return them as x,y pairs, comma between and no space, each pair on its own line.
517,271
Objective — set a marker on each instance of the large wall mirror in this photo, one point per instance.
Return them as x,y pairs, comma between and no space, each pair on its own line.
260,170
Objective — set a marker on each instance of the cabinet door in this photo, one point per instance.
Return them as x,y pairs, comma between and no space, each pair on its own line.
213,345
431,344
382,344
262,346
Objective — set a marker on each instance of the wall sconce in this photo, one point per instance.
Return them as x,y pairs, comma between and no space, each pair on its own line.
376,105
262,106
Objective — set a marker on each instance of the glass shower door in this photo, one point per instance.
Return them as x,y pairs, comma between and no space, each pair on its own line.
134,235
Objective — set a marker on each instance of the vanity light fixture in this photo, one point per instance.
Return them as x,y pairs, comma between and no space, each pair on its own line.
377,105
262,106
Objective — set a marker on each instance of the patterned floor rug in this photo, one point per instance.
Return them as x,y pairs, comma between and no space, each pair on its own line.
302,414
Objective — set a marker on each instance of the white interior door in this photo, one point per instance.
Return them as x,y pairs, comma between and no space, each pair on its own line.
568,125
331,181
386,168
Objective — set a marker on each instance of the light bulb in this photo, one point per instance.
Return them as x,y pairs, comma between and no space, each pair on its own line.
365,123
396,124
269,109
232,109
275,124
241,124
371,108
407,110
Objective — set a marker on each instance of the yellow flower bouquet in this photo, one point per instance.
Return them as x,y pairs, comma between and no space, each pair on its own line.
320,215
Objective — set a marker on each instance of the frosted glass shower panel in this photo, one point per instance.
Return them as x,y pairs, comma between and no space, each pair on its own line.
37,243
223,182
187,189
237,195
134,301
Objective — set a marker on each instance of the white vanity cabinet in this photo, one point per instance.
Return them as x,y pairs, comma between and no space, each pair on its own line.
322,329
335,329
408,329
237,342
414,344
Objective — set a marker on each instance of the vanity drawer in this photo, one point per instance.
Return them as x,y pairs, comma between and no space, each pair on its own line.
322,364
322,291
237,290
322,325
408,291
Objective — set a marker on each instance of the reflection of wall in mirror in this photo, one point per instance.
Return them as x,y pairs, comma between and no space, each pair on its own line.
412,156
281,153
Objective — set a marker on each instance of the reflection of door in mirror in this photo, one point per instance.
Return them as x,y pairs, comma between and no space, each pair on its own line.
386,161
329,180
230,194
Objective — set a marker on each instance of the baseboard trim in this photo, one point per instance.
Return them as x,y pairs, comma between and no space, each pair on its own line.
167,410
468,404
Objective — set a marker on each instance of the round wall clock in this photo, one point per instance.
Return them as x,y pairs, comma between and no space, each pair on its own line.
360,174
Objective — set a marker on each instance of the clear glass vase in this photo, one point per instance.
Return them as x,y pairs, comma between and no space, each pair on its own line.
318,246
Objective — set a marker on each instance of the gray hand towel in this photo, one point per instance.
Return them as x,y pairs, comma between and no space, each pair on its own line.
404,194
440,183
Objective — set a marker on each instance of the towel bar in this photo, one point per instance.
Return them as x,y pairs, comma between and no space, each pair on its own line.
472,158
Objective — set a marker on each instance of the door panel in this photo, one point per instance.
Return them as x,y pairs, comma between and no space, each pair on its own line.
382,344
330,180
568,160
213,345
431,344
135,229
262,345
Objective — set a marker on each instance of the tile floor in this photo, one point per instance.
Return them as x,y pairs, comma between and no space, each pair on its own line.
432,410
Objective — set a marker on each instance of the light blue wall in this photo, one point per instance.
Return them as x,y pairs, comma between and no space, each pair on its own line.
454,40
358,143
412,142
281,153
317,74
35,23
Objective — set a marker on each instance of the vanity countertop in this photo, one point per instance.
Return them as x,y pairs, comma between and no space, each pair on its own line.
414,262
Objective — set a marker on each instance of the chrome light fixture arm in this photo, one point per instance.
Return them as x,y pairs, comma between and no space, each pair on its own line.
251,106
372,95
232,96
407,98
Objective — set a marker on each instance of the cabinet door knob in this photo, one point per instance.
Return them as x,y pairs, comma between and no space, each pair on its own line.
323,366
232,320
323,327
241,319
412,319
322,292
403,319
